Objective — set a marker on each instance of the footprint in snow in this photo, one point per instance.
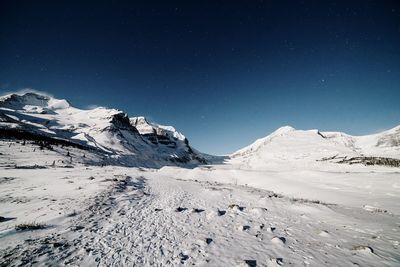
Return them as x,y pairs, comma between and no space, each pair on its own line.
204,242
244,227
366,250
271,229
324,234
213,213
259,235
77,227
180,209
258,212
248,263
196,210
236,207
221,212
183,257
272,262
278,240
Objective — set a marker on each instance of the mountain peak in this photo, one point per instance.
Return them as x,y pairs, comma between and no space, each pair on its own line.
145,127
31,98
284,129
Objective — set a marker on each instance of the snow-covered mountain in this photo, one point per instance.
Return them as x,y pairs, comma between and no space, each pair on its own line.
108,132
304,148
117,139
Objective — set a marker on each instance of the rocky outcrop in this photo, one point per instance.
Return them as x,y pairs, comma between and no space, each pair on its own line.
390,162
167,138
120,121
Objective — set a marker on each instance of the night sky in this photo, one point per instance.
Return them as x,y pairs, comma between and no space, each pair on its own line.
222,72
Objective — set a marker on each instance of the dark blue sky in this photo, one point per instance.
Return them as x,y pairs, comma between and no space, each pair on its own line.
222,72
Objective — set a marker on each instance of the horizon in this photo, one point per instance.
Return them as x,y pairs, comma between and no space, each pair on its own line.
222,74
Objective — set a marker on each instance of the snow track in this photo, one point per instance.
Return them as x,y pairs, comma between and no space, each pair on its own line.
154,220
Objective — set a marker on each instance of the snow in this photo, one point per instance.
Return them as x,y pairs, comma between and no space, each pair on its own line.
145,127
107,130
285,200
263,141
116,215
288,148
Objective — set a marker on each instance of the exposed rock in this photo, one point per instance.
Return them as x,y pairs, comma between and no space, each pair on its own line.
372,161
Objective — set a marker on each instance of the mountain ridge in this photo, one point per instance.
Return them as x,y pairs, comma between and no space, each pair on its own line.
108,131
137,141
304,148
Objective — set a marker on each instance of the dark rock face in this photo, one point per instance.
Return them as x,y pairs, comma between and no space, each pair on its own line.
161,139
120,121
320,134
372,161
157,135
167,139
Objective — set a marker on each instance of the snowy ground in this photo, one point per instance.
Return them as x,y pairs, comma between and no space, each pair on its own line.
354,186
116,216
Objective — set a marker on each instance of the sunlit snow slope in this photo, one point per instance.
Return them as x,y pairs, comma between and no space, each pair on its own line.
297,148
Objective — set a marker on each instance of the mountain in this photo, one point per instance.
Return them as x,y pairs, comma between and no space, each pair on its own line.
166,139
112,137
290,147
110,133
160,134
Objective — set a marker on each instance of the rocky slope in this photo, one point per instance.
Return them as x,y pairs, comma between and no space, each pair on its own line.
166,139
